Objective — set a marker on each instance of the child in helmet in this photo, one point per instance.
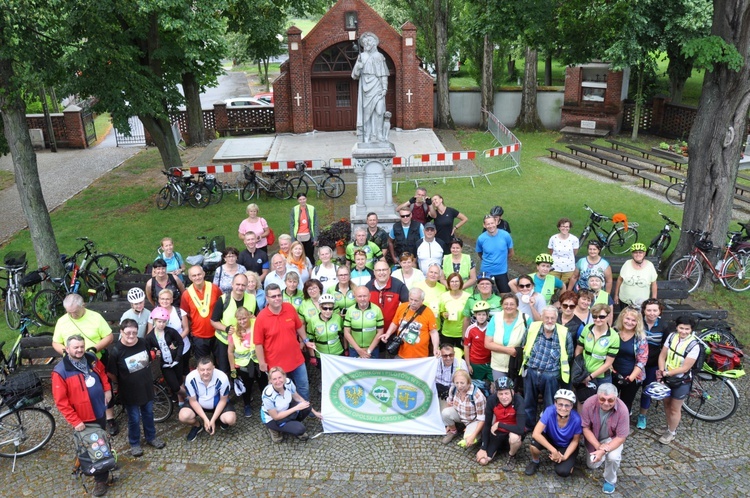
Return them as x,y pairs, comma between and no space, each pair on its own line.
476,355
558,431
506,419
165,344
544,283
137,311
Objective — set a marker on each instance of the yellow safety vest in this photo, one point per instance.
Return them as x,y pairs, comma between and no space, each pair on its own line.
229,310
562,336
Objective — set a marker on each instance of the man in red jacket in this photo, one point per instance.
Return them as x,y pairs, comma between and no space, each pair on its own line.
81,391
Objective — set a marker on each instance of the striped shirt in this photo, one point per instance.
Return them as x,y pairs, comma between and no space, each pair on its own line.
208,396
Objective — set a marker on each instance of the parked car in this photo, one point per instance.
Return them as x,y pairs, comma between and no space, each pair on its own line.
245,102
266,97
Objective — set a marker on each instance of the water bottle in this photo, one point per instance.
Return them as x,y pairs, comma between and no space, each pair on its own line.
76,286
601,235
719,265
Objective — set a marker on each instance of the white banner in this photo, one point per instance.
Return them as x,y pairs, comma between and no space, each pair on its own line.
380,396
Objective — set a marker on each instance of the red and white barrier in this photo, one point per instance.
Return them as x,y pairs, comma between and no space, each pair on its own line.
500,151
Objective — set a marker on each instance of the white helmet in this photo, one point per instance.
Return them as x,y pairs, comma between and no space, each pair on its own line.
657,391
327,299
566,394
136,295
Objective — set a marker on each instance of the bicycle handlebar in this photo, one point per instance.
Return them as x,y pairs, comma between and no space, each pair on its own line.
600,217
668,220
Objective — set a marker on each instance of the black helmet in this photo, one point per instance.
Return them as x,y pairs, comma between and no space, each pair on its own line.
497,211
504,383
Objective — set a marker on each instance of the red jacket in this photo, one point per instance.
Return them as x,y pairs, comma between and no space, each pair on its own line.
394,293
71,394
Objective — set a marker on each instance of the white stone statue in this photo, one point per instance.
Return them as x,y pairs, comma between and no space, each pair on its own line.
372,73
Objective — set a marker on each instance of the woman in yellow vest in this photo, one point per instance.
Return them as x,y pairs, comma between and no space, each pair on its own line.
458,262
505,335
679,354
242,359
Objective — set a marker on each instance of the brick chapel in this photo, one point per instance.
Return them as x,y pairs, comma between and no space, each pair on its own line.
315,90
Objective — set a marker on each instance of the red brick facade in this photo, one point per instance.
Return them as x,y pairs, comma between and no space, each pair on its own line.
607,114
293,98
67,127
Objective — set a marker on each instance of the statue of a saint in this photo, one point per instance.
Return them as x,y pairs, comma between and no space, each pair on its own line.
372,73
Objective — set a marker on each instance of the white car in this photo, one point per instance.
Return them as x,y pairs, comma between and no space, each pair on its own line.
246,102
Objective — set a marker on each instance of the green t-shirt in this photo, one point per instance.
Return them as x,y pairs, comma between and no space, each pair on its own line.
453,325
364,324
595,351
294,300
494,302
371,248
325,335
307,312
343,301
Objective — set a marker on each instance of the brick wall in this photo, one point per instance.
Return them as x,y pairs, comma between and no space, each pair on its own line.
67,127
607,115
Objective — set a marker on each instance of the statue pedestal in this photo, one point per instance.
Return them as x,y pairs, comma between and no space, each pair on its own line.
373,166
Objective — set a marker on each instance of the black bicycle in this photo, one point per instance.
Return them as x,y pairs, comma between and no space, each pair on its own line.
619,237
181,188
10,363
330,183
15,267
661,242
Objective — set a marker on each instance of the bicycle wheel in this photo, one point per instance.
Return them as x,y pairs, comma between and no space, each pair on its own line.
48,306
619,241
711,398
687,269
217,193
720,336
13,308
163,198
25,431
735,275
96,287
299,186
105,266
249,191
334,187
199,196
659,245
162,404
584,236
676,193
282,189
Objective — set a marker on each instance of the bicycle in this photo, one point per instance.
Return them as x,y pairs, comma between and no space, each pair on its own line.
15,267
330,182
676,193
279,187
24,427
617,240
162,401
730,270
9,364
109,264
180,188
661,242
209,255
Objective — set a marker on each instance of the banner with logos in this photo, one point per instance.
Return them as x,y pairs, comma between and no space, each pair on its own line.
380,396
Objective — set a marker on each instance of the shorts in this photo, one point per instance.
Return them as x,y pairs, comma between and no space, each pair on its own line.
229,408
681,391
482,372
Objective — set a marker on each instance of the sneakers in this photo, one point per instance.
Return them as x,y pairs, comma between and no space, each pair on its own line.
464,443
667,438
100,489
194,432
449,436
248,411
303,437
222,425
641,422
660,431
608,488
112,428
276,436
531,468
510,464
136,451
156,443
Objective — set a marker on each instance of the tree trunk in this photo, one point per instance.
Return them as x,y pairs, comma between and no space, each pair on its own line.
638,104
26,172
511,67
679,70
196,128
548,70
529,120
488,90
442,63
265,74
161,134
718,131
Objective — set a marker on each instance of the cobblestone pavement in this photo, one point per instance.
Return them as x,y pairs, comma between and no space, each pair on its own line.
705,460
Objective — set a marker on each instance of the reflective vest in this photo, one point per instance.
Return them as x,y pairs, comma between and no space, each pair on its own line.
310,221
548,287
678,351
602,297
562,336
244,350
229,310
464,269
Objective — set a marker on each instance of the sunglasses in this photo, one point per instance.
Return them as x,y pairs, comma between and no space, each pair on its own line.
448,355
326,308
275,296
524,286
568,306
600,317
406,216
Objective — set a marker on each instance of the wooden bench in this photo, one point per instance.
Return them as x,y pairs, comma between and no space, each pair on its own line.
584,161
35,348
677,159
651,178
606,159
626,156
675,177
617,144
127,281
616,262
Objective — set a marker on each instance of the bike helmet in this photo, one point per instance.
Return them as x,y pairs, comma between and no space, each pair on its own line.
504,383
480,306
596,273
566,394
657,391
497,211
136,295
160,313
544,258
595,242
327,299
638,246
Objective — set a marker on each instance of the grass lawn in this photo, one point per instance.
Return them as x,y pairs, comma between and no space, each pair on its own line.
7,179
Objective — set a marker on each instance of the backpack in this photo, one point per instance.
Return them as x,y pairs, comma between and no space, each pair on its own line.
724,357
696,342
94,452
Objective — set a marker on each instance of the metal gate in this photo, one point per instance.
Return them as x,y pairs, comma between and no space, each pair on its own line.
137,135
89,130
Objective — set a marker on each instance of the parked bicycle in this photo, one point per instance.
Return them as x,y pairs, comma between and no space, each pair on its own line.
107,266
15,267
10,363
162,401
676,193
209,255
729,270
330,183
617,240
24,427
181,188
278,187
661,242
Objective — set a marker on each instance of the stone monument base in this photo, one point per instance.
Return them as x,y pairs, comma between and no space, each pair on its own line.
373,166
